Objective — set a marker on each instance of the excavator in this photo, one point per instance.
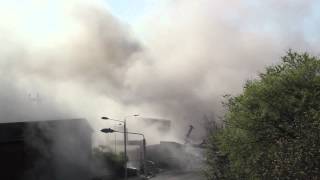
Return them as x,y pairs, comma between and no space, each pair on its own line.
187,140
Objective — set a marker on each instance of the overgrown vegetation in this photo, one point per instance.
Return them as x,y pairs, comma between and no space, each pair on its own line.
272,129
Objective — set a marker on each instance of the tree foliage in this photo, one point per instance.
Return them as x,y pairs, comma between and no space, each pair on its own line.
272,129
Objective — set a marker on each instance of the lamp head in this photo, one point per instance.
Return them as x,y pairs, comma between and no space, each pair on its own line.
107,130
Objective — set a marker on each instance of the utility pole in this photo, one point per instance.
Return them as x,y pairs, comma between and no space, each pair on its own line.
144,156
125,149
115,143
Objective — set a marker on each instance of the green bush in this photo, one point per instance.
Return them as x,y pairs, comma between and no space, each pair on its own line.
272,129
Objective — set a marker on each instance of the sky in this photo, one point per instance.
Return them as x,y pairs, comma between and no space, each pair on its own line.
130,11
170,59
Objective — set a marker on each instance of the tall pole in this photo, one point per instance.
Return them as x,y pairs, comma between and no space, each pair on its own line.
144,156
125,149
115,143
125,133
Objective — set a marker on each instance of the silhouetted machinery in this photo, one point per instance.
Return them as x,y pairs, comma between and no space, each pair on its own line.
187,138
188,141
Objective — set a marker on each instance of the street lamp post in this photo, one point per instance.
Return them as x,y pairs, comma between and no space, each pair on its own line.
144,150
125,140
108,130
115,143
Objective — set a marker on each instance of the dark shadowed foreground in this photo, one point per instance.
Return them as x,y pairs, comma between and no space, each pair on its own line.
45,150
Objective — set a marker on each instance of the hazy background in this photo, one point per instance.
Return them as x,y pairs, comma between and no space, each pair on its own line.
164,59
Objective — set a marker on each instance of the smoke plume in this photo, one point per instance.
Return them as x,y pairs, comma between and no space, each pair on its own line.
204,49
74,58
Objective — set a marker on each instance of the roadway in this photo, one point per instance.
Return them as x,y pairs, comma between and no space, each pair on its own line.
178,175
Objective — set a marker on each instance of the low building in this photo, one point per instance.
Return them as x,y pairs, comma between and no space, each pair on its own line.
45,150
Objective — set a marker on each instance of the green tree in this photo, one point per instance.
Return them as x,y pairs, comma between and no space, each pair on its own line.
272,129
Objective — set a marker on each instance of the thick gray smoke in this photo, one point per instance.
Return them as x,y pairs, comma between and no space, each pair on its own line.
73,58
204,49
52,50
